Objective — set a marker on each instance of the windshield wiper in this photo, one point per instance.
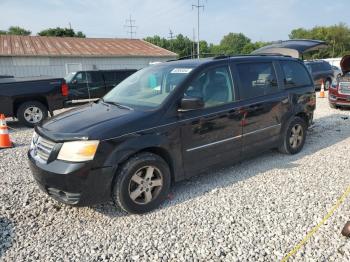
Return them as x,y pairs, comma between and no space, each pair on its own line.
117,104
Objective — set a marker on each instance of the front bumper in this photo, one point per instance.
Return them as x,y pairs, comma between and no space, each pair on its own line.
338,99
73,183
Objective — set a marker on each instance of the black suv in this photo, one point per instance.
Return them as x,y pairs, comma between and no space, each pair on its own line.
168,122
321,71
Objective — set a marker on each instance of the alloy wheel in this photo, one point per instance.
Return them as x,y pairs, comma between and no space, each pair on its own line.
296,136
33,115
145,185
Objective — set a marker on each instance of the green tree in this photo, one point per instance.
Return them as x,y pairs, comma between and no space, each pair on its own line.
181,45
337,37
61,32
15,30
234,43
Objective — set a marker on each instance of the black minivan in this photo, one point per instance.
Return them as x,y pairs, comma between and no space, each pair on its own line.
168,122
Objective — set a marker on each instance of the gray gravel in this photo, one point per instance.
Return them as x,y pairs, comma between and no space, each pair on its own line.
254,211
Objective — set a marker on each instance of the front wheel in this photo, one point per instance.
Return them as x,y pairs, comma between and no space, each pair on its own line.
332,106
32,113
293,136
327,84
142,183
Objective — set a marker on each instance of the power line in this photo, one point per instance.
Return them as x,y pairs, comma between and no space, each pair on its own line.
130,24
198,6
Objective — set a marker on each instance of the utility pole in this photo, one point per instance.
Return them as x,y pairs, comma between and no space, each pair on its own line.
70,26
171,33
198,6
130,24
193,42
171,37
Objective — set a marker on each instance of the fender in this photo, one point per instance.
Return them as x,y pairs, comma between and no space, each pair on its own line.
167,144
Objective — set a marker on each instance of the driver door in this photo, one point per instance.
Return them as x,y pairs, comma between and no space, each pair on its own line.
211,135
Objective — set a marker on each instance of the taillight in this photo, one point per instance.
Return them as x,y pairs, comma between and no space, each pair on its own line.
64,89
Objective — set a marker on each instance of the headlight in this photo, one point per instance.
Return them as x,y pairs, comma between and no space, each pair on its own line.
78,151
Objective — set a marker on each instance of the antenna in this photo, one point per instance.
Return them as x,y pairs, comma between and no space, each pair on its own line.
198,6
130,24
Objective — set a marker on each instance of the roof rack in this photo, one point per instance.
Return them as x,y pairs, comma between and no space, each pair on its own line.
224,56
203,55
262,54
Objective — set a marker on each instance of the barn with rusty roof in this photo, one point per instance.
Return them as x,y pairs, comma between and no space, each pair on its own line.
57,56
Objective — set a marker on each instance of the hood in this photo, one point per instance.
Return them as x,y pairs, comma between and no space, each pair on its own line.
294,48
345,64
91,121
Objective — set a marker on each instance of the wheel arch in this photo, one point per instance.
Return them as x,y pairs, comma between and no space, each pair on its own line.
304,116
123,153
163,153
19,101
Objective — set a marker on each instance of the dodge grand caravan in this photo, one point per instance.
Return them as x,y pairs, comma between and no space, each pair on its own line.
169,122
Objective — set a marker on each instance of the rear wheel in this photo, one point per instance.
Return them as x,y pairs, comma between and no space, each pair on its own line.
294,136
142,183
32,113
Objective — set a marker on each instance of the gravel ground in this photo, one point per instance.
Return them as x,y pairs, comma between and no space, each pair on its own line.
254,211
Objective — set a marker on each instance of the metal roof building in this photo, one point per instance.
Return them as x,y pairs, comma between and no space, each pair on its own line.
56,56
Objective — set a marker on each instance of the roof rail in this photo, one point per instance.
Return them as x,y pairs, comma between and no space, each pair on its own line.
223,56
203,55
262,54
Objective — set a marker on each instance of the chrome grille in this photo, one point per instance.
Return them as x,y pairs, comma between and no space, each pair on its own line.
344,88
43,148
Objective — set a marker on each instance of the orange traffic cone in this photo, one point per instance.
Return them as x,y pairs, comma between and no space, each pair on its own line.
5,141
322,94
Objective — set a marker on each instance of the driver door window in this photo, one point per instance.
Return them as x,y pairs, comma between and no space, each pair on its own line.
214,86
80,78
83,78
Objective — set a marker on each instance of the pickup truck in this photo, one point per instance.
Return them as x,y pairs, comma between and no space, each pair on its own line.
94,83
31,99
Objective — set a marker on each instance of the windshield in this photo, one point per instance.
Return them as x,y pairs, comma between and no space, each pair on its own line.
69,77
148,87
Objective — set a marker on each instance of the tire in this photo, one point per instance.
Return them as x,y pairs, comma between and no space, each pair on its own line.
131,189
294,145
38,111
327,84
332,106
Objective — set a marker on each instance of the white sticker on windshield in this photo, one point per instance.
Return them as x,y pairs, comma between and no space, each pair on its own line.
181,70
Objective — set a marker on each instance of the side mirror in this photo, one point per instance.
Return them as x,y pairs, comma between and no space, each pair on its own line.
74,81
191,103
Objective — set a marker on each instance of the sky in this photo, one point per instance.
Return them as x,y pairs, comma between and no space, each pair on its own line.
260,20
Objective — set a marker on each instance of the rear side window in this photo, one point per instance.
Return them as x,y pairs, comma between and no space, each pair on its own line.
96,77
109,76
257,79
295,74
122,75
